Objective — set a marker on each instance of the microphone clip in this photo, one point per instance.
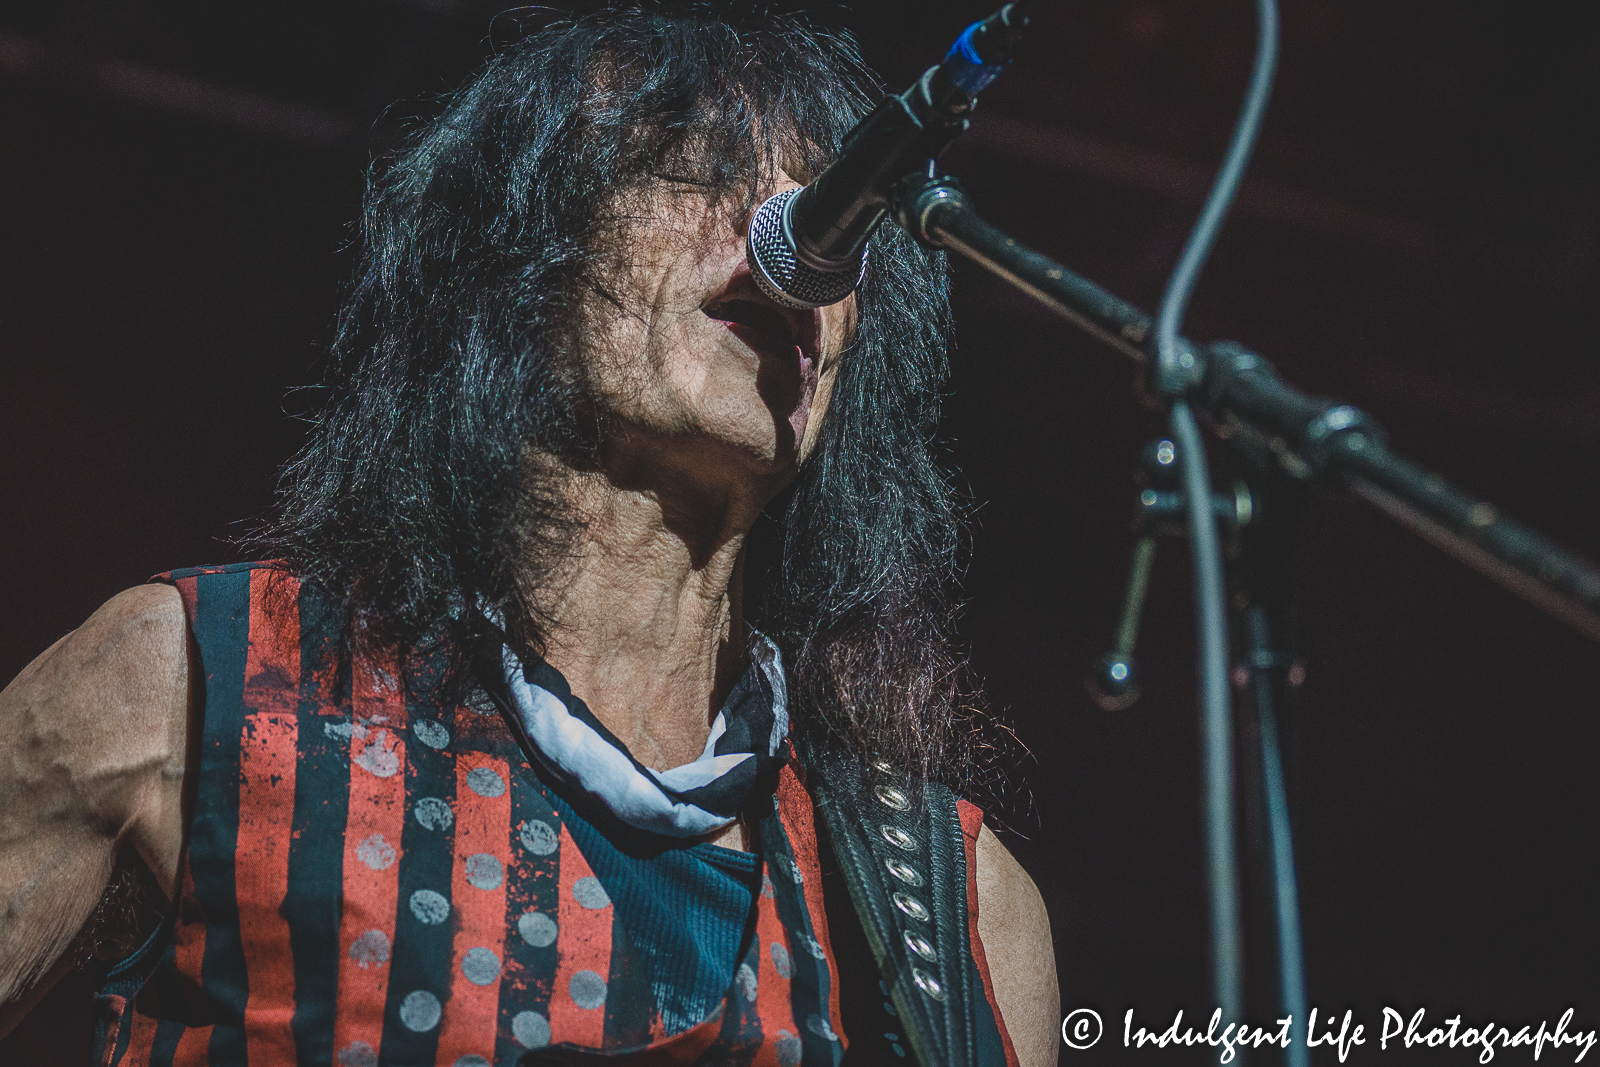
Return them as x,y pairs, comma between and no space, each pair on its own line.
1162,511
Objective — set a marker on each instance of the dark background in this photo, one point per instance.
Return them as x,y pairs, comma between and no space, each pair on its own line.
1417,236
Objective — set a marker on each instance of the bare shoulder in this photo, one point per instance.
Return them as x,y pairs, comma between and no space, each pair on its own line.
1015,931
94,745
100,722
115,688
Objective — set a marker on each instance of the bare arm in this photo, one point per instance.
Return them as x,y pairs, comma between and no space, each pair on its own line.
1022,962
94,740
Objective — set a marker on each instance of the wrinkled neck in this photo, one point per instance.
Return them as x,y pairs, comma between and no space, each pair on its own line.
644,617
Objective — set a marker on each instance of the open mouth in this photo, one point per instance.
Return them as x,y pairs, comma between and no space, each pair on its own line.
753,321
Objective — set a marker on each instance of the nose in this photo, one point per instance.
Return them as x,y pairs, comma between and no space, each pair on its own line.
782,183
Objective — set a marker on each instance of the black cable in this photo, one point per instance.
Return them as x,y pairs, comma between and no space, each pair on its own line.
1174,367
1280,843
1216,717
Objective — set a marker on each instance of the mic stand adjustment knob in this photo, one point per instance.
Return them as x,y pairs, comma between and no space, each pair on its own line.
1162,509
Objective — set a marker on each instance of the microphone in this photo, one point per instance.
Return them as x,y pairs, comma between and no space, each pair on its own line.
808,247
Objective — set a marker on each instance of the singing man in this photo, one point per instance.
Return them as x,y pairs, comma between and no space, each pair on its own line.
489,764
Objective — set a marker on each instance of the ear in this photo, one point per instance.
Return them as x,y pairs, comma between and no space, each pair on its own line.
838,321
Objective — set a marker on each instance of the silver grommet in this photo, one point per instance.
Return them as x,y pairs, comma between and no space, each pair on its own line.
921,946
911,906
899,838
927,983
903,871
891,797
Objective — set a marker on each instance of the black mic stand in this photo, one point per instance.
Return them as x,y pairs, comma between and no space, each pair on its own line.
1310,438
1268,672
1260,517
1285,439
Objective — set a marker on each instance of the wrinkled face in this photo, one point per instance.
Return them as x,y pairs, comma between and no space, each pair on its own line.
711,386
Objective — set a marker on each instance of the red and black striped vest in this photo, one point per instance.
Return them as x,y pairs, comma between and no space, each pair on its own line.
372,877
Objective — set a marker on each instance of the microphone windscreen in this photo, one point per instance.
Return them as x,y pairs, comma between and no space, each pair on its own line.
770,249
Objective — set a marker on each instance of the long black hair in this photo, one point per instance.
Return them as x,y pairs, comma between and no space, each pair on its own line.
459,353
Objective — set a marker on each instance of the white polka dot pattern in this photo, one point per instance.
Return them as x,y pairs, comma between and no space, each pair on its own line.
781,961
420,1011
371,949
429,907
537,929
376,853
485,783
431,733
587,989
531,1029
484,871
358,1054
480,966
590,893
538,837
434,814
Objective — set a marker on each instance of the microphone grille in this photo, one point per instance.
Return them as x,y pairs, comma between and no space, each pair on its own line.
779,272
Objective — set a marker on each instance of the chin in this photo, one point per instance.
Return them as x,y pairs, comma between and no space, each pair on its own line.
769,434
